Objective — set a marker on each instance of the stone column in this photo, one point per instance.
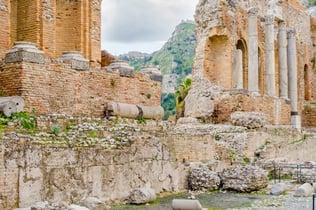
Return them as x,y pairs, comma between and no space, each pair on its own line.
269,56
253,66
292,74
238,70
283,74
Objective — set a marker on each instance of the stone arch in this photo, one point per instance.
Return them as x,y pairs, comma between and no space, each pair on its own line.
217,65
307,86
242,46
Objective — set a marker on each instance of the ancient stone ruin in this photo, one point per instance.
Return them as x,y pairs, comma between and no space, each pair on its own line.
260,54
56,64
96,136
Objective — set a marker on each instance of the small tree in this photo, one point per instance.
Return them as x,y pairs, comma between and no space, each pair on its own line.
181,93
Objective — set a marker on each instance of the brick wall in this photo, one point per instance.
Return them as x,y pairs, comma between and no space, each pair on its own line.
4,27
68,26
55,26
277,110
309,116
28,23
56,88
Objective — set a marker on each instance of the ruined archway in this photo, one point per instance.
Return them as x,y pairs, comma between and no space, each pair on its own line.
241,58
217,63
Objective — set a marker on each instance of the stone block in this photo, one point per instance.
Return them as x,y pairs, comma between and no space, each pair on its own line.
181,204
203,178
244,179
123,68
24,51
304,190
153,73
142,196
75,58
278,189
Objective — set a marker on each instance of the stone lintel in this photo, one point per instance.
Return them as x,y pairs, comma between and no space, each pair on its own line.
75,58
24,52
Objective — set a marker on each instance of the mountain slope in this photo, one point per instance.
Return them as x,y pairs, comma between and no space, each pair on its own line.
176,55
174,59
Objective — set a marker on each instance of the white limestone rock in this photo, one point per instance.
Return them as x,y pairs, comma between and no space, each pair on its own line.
244,178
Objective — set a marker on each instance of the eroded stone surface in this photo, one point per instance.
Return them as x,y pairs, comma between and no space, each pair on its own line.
249,120
204,179
244,179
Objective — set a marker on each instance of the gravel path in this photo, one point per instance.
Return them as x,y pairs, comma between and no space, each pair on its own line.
234,201
282,202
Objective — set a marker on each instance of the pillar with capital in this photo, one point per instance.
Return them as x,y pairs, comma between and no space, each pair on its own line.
269,56
292,76
253,66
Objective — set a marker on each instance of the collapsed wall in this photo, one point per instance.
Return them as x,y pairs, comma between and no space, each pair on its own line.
257,48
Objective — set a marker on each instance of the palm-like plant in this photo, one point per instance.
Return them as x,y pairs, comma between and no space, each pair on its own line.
181,93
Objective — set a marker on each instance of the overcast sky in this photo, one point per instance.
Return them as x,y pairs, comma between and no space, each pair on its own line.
141,25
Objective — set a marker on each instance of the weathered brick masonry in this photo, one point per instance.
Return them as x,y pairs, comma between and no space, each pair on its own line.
56,88
55,26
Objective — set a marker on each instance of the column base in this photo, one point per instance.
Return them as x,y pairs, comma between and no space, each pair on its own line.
296,121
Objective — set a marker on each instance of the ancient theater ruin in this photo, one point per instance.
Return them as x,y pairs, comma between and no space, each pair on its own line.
50,55
253,56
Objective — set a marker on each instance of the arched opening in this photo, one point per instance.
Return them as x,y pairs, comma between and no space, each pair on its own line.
307,86
241,47
217,65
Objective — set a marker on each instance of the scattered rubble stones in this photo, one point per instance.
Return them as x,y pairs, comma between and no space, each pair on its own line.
249,120
244,178
203,179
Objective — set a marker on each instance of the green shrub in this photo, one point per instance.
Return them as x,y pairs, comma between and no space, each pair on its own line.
55,129
24,120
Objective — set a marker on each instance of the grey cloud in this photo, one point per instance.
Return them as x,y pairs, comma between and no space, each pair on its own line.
143,20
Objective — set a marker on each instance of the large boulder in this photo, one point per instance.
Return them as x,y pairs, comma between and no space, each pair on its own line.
249,120
244,178
142,196
278,189
203,178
